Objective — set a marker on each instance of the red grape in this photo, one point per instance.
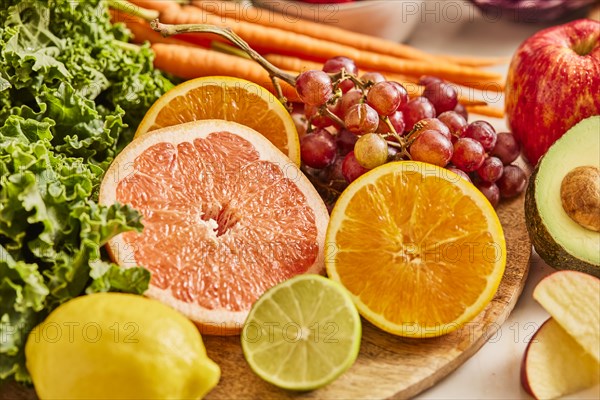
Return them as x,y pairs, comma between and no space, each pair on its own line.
318,173
403,93
351,169
392,153
371,150
430,124
320,121
460,109
348,100
346,85
361,119
442,95
507,148
468,154
336,64
314,87
345,141
460,172
491,170
334,174
436,125
417,109
397,120
490,191
427,79
374,77
383,127
384,97
454,121
301,123
431,147
483,132
318,149
512,182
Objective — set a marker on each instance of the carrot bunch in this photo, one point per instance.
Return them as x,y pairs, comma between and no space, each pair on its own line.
297,47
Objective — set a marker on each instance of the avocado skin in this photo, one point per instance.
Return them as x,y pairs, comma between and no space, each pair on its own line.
551,252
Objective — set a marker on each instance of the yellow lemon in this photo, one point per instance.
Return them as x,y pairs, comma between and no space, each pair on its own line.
118,346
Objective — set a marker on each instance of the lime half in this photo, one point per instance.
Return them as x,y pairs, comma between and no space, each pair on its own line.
303,333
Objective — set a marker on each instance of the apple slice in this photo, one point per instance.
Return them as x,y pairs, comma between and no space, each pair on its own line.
556,365
573,299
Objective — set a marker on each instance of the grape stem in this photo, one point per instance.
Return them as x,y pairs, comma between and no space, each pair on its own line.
331,115
400,142
274,72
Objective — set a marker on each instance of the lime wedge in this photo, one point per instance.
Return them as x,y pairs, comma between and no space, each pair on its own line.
303,333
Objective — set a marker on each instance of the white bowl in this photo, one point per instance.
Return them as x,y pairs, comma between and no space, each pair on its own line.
388,19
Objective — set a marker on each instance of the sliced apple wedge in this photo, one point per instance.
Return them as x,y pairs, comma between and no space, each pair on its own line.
556,365
573,299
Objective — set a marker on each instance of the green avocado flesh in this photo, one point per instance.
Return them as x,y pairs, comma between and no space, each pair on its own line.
560,241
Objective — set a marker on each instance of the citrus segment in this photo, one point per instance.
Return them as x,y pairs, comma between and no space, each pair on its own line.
226,216
421,249
231,99
303,333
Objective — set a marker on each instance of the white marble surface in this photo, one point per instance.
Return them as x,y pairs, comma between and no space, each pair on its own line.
492,373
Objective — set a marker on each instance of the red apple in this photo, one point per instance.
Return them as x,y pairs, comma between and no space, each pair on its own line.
553,83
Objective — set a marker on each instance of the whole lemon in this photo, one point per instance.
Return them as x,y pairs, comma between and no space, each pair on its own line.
118,346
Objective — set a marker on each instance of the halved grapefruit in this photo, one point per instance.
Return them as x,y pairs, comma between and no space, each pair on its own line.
226,216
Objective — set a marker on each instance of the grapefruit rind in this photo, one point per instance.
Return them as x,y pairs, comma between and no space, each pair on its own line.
494,226
219,321
293,141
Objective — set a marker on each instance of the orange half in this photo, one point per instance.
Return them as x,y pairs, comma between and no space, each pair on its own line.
228,98
420,249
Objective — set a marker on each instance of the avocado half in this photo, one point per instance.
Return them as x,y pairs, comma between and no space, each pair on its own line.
560,241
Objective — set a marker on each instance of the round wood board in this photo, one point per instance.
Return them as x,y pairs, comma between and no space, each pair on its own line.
387,366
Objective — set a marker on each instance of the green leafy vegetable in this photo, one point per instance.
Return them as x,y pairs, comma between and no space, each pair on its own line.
71,96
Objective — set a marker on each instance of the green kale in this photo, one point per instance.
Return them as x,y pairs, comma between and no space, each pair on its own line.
71,95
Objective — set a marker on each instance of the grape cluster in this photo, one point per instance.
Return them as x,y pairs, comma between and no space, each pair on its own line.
352,124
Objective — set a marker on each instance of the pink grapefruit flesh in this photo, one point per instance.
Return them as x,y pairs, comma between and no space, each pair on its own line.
226,216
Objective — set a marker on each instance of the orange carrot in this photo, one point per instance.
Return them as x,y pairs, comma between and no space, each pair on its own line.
469,61
142,31
488,111
333,34
292,63
160,6
313,29
266,39
192,62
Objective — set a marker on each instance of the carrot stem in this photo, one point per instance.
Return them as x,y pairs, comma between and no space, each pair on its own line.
227,49
169,30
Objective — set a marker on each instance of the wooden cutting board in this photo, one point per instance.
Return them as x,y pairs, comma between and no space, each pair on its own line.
388,366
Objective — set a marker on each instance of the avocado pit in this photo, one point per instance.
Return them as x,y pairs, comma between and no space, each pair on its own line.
580,196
